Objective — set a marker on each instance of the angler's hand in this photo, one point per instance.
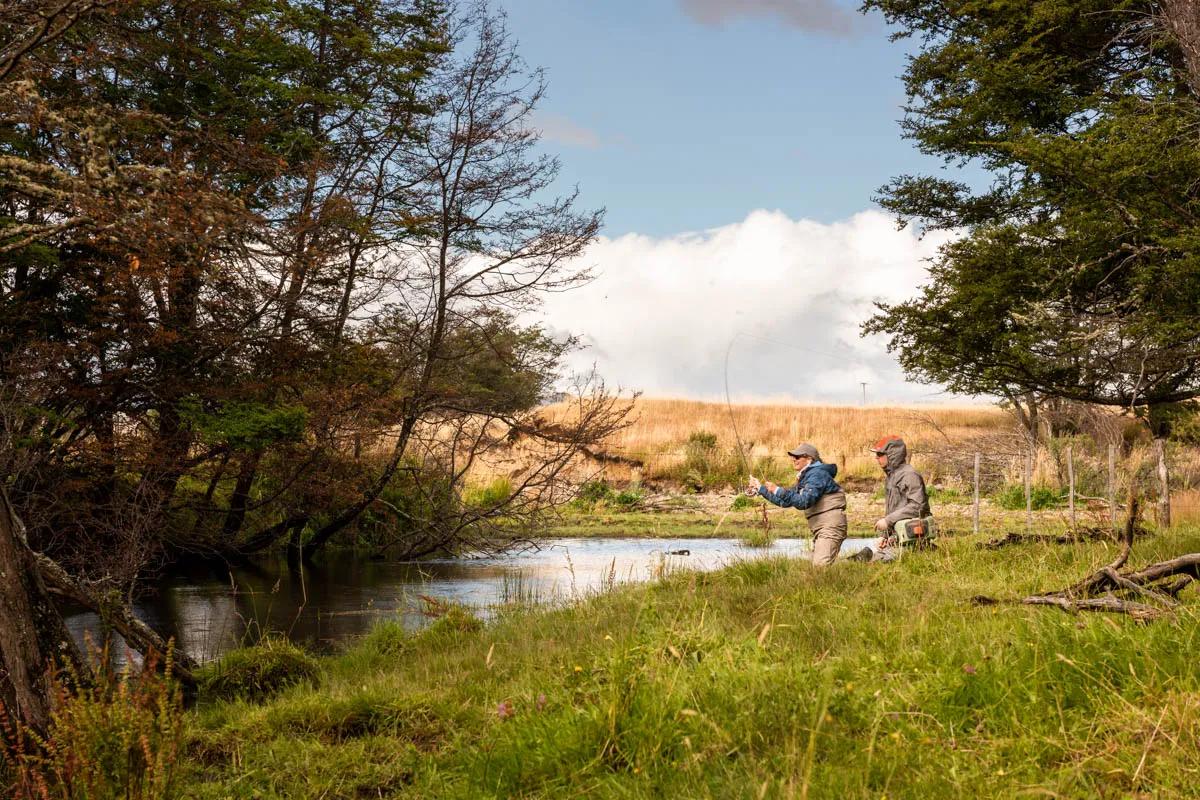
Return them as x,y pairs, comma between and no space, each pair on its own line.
881,524
752,486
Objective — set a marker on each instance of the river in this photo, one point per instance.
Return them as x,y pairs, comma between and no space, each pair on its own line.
211,608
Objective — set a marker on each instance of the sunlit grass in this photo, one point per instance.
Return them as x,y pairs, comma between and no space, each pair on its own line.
766,679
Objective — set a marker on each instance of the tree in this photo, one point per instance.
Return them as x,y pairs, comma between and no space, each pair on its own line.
1078,273
488,246
265,268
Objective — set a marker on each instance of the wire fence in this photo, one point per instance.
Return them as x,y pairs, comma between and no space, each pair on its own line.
1087,481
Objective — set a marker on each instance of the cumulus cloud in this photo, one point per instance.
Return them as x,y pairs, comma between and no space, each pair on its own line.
560,130
783,297
823,16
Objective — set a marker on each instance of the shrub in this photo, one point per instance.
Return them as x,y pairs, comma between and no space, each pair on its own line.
116,737
706,466
255,673
1012,497
592,492
629,498
742,502
598,492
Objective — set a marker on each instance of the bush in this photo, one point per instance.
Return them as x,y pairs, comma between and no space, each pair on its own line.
599,492
706,466
116,737
1012,497
256,673
742,502
629,498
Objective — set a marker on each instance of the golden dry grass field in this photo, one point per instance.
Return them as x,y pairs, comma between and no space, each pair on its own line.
661,429
669,441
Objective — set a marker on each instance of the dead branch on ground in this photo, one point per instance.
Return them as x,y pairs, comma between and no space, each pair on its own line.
1146,594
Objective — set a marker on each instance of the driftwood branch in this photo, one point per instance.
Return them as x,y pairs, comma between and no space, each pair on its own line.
1146,594
137,634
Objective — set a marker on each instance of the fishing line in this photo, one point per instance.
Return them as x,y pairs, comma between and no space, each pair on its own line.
729,406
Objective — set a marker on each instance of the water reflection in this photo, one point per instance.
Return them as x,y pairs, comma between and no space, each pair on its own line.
210,609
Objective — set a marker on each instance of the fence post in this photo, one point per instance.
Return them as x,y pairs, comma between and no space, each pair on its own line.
1071,483
1029,490
976,516
1164,491
1112,485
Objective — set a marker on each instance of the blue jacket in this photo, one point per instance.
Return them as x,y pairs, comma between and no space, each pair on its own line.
814,483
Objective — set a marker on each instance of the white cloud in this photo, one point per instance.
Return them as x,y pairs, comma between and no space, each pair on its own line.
824,16
560,130
789,294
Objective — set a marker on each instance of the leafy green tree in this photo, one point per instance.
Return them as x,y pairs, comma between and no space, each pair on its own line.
1077,275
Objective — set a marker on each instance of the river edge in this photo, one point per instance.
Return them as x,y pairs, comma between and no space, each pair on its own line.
765,679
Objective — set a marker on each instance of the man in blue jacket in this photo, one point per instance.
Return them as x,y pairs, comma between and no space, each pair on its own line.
818,495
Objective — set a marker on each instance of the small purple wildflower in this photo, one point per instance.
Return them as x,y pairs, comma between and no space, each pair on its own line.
541,701
505,710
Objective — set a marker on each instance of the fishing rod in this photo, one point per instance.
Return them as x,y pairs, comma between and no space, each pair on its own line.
729,406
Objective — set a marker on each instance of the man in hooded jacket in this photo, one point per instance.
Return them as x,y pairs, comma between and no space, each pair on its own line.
818,495
904,496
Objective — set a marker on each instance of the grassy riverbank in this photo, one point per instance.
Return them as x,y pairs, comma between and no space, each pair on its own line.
710,516
767,679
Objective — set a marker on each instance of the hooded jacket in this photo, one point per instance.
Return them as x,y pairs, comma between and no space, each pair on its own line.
904,489
815,482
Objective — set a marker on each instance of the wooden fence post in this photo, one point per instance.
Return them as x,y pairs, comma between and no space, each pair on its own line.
1112,485
1029,490
1071,483
976,514
1164,484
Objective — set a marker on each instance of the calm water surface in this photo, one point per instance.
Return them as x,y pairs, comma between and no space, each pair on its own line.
211,609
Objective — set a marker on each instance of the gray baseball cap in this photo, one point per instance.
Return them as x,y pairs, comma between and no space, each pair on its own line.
805,449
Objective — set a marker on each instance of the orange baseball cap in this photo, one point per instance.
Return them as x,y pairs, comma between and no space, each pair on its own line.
881,445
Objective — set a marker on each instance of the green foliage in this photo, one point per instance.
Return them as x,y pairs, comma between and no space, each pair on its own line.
594,493
494,494
245,426
1012,497
757,537
255,673
452,620
944,494
707,466
742,502
387,639
765,674
117,737
1080,264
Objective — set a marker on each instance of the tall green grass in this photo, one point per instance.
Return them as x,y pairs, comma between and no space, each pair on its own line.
767,679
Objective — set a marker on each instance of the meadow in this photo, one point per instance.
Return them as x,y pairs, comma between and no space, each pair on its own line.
768,679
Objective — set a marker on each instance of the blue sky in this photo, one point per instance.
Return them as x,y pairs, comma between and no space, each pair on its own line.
736,147
677,124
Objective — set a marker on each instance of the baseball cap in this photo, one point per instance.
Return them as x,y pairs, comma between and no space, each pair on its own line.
881,445
805,449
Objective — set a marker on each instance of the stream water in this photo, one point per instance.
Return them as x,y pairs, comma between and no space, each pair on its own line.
210,609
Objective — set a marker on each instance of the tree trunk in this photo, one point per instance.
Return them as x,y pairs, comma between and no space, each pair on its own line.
33,637
1183,21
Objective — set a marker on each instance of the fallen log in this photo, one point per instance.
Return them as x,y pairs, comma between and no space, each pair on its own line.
137,634
1073,537
1146,594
